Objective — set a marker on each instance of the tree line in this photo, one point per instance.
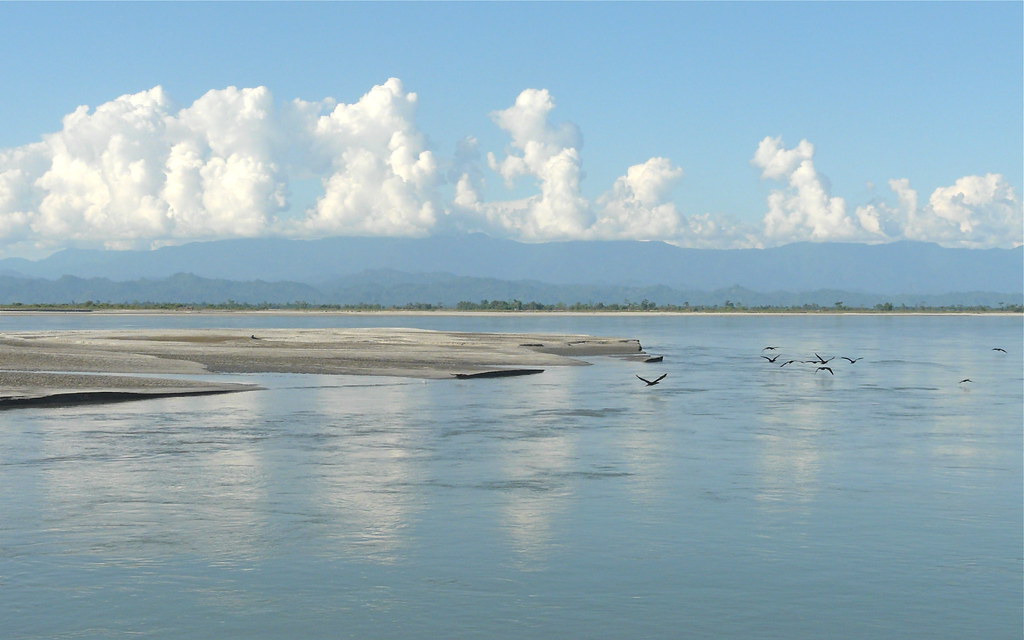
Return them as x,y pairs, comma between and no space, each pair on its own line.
514,305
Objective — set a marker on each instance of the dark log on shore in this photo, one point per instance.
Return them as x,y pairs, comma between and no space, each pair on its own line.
75,398
498,373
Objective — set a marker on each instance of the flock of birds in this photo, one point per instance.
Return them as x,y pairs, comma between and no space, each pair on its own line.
818,360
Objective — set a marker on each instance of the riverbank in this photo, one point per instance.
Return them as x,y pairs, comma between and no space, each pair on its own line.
527,313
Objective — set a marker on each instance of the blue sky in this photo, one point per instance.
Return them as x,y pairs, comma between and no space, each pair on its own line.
702,124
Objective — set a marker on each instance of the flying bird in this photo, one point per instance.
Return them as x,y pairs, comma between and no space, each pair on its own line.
786,362
829,369
966,380
651,383
771,359
999,349
821,360
769,348
852,360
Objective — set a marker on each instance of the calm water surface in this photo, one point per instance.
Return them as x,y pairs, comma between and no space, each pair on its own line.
737,499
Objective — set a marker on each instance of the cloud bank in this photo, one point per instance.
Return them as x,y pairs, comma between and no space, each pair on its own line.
139,171
975,211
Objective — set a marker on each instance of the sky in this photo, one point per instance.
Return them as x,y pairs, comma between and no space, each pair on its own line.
713,125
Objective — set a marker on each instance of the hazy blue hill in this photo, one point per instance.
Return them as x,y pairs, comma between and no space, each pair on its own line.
180,288
15,267
899,268
388,287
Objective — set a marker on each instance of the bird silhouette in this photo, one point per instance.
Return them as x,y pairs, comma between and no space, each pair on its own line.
999,349
651,383
769,348
786,362
829,369
821,360
852,360
771,359
966,380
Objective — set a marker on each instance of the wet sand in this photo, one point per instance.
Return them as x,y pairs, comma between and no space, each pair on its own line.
29,389
59,367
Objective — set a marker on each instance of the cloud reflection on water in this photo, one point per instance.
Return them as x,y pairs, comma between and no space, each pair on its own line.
195,483
365,476
538,446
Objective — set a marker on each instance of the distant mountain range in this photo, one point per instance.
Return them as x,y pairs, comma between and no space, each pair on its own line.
396,289
448,269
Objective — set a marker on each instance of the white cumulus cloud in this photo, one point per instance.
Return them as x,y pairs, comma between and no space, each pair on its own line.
104,169
639,204
975,211
805,210
222,168
381,179
551,155
134,171
139,171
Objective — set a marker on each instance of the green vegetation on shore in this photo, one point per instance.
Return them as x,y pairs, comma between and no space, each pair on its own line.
727,306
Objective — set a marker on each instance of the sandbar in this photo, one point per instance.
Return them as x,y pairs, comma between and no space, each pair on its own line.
60,367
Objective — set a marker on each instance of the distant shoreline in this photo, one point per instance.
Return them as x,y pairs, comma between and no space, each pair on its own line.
483,313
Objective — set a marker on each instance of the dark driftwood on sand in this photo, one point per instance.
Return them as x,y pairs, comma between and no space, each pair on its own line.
500,373
74,398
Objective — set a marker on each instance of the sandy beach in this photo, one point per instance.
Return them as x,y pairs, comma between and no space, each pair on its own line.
64,367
